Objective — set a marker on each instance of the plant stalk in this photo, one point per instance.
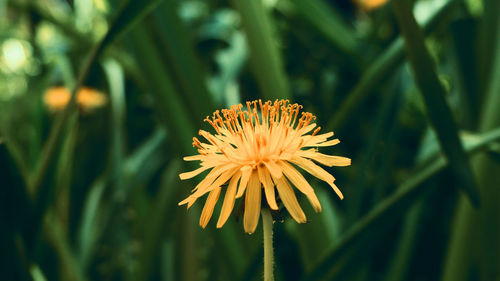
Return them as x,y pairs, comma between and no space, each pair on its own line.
267,221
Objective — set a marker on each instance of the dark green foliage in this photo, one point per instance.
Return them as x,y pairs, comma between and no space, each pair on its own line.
410,88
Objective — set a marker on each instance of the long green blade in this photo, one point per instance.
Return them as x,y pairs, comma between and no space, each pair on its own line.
393,206
265,58
433,94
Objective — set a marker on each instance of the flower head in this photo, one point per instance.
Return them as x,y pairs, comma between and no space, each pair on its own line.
257,149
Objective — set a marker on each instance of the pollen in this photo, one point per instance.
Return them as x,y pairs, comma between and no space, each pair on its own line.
256,151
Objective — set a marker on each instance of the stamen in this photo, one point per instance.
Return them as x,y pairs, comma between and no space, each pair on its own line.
316,131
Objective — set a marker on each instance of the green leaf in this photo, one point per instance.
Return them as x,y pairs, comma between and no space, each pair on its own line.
70,267
160,219
42,182
265,59
392,207
329,23
433,94
168,104
382,68
130,14
183,63
475,232
138,169
116,81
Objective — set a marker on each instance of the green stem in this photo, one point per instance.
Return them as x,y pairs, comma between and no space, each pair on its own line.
267,221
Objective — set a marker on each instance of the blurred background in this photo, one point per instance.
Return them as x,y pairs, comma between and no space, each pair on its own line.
89,191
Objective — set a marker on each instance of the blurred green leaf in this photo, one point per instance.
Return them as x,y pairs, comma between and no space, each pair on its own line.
130,14
186,68
42,179
160,219
433,94
389,209
330,24
15,207
265,59
138,168
474,234
382,68
70,267
168,103
116,80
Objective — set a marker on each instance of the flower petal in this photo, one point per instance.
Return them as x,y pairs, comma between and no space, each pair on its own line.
252,204
316,171
265,179
208,209
229,198
337,190
197,157
331,160
289,200
222,179
274,169
326,143
301,184
188,175
312,168
245,176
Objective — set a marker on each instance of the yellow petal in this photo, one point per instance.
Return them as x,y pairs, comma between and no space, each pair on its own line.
193,157
252,204
312,168
289,200
188,175
312,142
337,190
185,201
203,185
301,183
265,179
316,171
331,160
274,169
307,129
245,176
212,175
223,178
228,204
328,143
208,209
214,184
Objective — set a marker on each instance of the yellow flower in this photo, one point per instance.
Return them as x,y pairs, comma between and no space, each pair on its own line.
369,5
56,98
253,150
88,99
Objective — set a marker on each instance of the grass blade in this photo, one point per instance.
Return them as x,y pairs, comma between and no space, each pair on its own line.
329,23
96,214
116,81
163,208
433,94
185,66
170,107
382,67
475,232
393,206
265,58
130,14
42,179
